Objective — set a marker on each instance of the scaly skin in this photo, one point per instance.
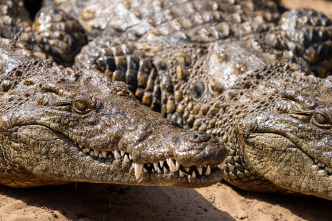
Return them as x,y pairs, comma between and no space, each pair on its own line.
64,126
267,118
58,126
301,37
275,119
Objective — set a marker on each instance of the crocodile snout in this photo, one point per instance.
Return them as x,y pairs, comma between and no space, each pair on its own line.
200,137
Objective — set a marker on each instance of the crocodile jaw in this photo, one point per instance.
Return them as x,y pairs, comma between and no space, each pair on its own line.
48,138
63,161
289,160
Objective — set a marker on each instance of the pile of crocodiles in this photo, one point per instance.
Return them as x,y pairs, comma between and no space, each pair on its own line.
242,88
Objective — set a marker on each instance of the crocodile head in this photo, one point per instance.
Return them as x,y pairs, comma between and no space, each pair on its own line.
287,138
59,126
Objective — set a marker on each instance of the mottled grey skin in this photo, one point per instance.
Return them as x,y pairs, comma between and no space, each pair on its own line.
59,126
233,70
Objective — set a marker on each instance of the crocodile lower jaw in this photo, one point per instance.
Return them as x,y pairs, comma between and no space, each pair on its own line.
163,167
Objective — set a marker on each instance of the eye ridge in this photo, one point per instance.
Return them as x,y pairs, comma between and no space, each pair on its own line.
302,116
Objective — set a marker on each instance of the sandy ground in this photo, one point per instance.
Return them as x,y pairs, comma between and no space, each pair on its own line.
87,202
324,6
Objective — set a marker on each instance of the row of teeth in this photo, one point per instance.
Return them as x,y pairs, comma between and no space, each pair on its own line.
106,154
173,168
159,167
323,166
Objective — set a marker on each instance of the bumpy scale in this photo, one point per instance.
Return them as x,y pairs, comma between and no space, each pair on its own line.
58,126
238,70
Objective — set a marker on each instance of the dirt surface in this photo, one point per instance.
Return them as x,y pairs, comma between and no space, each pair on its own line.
324,6
87,202
119,202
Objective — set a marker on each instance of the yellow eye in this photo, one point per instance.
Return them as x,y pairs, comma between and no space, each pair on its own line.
81,106
321,119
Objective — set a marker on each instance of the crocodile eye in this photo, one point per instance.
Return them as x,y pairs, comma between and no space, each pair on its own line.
321,119
81,106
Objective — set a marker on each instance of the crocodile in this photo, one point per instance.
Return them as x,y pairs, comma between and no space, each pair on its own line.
59,125
251,73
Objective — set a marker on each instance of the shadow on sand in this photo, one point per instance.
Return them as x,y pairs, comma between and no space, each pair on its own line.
305,207
86,201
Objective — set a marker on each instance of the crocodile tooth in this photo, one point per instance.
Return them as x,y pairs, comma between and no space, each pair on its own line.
193,174
126,159
155,165
208,170
189,177
177,165
172,166
116,154
96,153
145,170
181,173
161,163
130,156
122,153
165,170
85,150
153,170
200,170
92,154
138,170
104,153
187,169
159,171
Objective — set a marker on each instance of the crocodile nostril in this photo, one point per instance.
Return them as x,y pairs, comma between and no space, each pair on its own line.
200,137
195,136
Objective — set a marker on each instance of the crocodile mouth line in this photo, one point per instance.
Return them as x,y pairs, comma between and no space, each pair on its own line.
166,167
321,168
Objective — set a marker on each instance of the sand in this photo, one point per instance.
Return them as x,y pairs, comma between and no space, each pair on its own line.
87,202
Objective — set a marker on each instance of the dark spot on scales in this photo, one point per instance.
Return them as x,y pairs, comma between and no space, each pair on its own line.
197,89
